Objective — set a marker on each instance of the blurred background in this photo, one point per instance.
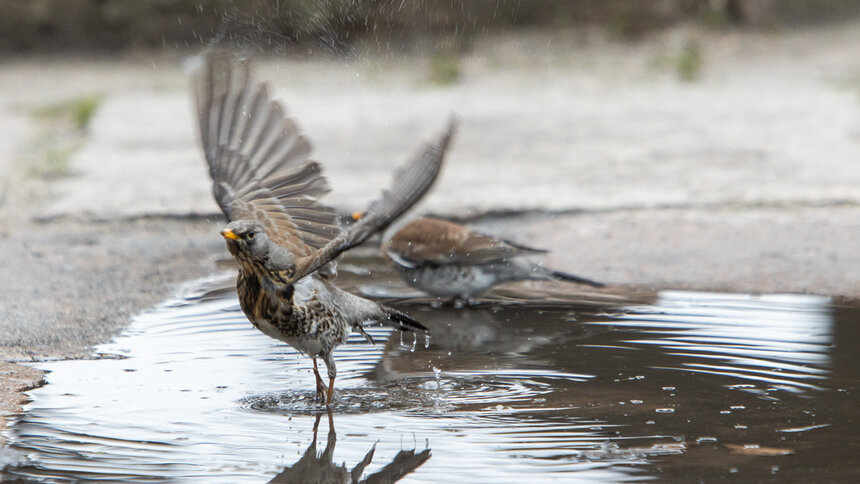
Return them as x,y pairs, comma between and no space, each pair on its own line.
338,25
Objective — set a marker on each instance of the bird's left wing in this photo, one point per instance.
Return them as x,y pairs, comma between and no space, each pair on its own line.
258,158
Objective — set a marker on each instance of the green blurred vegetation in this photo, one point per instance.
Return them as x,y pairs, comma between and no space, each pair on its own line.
689,61
52,162
445,61
61,131
79,110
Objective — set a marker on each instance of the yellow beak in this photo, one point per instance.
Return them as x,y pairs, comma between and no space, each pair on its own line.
229,234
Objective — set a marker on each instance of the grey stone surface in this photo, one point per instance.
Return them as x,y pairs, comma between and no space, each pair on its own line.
772,120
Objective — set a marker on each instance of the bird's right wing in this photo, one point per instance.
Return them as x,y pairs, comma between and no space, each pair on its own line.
258,159
410,183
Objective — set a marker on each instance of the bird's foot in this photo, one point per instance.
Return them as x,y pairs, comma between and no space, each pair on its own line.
322,392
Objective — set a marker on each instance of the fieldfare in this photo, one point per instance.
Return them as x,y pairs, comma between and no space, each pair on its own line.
283,239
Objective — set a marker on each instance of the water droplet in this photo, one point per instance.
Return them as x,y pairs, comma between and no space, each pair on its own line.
665,410
737,407
426,340
739,426
703,440
636,402
668,388
414,343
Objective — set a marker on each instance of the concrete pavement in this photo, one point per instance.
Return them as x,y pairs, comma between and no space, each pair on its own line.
771,121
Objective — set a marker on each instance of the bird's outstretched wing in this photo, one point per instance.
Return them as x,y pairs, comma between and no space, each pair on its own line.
411,182
259,159
431,241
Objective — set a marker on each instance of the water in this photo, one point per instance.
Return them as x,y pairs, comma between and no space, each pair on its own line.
687,386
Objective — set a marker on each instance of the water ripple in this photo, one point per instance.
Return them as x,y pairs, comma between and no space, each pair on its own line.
502,393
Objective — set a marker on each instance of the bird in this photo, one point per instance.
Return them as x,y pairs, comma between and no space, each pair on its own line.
284,240
447,259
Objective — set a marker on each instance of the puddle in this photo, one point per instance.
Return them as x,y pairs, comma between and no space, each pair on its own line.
690,386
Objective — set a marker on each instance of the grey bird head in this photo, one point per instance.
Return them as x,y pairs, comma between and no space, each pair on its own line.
247,240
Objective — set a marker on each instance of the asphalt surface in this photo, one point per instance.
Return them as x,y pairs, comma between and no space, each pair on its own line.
745,179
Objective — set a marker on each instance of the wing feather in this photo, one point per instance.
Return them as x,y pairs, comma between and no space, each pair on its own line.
411,182
258,159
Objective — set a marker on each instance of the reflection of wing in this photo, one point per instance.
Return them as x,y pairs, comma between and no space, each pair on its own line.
410,183
258,158
439,242
405,462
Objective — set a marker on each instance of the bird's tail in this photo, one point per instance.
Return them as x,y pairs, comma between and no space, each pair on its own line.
564,276
401,321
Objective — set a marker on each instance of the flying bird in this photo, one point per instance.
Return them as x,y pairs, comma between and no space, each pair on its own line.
284,240
446,259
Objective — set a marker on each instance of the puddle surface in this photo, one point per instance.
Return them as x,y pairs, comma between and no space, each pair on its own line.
690,386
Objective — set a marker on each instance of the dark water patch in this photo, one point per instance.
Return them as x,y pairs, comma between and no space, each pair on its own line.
689,386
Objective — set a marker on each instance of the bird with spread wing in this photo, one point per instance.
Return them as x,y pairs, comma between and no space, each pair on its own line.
284,240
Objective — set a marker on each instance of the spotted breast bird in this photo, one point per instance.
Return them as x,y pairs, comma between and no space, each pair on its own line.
284,240
446,259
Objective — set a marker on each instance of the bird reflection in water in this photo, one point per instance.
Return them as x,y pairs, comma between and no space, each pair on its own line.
316,467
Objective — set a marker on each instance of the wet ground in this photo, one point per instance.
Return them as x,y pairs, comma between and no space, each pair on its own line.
533,383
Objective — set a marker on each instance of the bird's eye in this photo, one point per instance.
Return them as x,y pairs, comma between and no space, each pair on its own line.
251,235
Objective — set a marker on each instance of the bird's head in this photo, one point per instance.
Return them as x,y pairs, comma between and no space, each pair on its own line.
249,242
247,238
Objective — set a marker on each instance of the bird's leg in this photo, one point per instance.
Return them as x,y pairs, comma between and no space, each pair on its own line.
330,390
330,420
317,426
332,372
328,452
321,389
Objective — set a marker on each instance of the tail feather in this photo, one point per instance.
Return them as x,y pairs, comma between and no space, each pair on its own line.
564,276
404,322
